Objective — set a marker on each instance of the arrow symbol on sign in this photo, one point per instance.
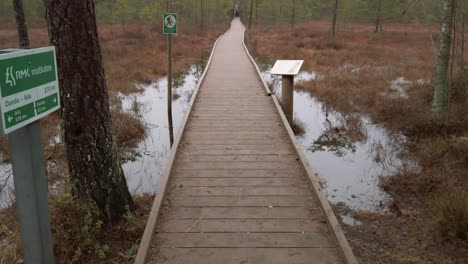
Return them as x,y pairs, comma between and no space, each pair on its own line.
10,119
55,100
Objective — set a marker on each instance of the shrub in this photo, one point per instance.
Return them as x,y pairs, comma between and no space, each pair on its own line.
450,212
77,230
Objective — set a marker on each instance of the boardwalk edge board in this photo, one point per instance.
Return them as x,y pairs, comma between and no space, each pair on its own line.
150,227
267,89
332,221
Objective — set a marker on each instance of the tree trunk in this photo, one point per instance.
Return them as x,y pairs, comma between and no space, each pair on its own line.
335,16
95,172
251,13
378,20
21,24
293,14
440,100
463,66
256,11
201,15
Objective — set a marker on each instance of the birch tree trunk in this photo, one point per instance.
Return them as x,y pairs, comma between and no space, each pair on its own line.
95,172
440,100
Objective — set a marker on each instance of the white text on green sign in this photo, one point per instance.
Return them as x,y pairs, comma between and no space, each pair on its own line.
29,87
170,23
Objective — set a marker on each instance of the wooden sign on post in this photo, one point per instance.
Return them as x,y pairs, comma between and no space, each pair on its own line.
288,69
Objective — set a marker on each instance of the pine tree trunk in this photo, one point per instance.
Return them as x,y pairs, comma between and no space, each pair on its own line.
440,100
251,13
293,14
335,17
201,15
463,66
21,24
378,20
95,172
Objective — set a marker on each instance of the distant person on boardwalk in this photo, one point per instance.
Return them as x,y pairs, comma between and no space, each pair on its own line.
236,11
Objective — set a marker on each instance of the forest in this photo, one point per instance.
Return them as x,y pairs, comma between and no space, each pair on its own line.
381,114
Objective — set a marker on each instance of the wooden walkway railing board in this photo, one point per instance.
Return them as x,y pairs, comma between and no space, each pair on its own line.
238,191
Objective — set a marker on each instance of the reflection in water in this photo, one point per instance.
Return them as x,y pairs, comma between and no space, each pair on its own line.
348,152
143,172
143,166
340,135
6,184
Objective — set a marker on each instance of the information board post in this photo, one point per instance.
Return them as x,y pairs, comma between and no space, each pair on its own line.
287,97
28,92
287,69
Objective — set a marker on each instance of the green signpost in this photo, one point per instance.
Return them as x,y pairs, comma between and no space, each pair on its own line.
169,28
29,87
29,91
170,24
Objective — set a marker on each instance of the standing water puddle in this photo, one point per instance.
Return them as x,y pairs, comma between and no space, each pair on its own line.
143,173
348,152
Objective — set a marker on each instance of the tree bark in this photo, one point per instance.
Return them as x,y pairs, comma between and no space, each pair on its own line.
95,172
21,24
440,100
251,13
201,15
378,20
335,17
293,14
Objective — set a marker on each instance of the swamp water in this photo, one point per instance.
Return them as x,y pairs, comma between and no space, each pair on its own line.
348,152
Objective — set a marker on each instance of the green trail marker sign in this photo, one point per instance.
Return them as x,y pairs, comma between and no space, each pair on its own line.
170,24
29,87
29,90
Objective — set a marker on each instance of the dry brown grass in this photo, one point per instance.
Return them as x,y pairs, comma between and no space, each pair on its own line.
79,235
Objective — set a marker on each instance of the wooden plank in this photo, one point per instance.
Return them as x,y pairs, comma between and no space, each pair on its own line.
242,201
190,147
236,191
242,240
233,136
243,225
242,213
237,173
229,152
246,255
214,165
235,182
233,141
188,156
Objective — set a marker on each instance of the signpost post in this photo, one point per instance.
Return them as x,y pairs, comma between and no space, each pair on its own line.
287,69
29,91
169,28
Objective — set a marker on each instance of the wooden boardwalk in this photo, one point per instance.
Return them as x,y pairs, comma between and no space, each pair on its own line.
236,190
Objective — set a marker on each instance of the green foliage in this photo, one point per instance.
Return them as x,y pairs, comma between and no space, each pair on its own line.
450,212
